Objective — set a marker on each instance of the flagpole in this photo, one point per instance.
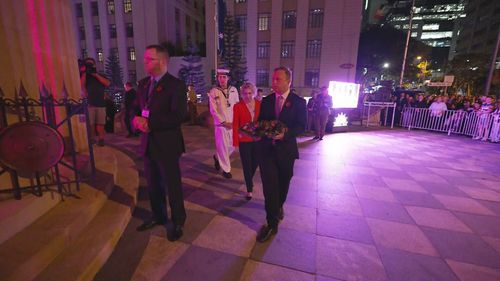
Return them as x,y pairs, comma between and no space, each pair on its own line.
216,33
406,46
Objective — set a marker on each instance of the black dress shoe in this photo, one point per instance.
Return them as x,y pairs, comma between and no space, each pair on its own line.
148,225
227,175
175,234
266,232
216,163
321,138
281,215
315,138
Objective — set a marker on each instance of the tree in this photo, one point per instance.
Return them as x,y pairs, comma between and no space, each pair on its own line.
383,44
470,72
113,70
231,57
192,71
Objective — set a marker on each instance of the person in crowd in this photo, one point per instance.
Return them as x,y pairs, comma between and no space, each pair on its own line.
310,111
246,111
438,107
222,99
163,104
277,154
482,131
322,106
131,108
430,100
109,127
192,101
495,127
420,103
93,85
259,95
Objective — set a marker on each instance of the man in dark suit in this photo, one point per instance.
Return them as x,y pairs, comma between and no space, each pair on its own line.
162,99
278,154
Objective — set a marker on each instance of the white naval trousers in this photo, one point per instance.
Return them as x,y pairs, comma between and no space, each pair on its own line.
224,146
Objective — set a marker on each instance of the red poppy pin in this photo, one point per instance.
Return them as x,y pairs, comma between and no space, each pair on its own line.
288,104
159,89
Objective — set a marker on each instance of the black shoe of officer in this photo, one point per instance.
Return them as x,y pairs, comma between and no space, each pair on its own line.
227,175
216,163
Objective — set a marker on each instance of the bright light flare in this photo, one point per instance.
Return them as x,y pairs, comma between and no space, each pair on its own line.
344,95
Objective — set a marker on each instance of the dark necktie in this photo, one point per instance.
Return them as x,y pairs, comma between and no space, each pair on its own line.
152,87
279,104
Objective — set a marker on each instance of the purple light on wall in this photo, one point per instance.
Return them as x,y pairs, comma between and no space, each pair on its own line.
344,95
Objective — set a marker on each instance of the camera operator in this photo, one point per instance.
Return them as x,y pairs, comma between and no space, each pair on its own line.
93,85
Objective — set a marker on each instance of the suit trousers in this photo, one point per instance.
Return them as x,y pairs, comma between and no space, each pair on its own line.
276,173
248,155
161,175
320,120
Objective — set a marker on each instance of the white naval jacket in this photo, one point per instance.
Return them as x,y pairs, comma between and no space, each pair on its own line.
221,104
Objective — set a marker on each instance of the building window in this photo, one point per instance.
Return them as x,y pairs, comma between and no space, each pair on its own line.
263,50
111,7
129,29
188,24
289,19
132,76
112,31
195,5
94,8
81,30
114,51
131,54
287,49
84,53
127,6
313,48
177,15
196,27
262,78
243,48
79,10
311,78
264,22
316,18
241,22
97,32
240,1
100,55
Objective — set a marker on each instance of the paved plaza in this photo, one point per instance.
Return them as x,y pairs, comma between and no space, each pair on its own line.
369,205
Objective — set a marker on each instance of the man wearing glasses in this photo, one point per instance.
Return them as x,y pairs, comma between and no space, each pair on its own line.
162,100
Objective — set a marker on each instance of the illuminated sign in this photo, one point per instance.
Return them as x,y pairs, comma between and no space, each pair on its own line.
344,95
340,120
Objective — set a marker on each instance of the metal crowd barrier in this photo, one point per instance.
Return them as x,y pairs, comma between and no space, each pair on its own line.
474,124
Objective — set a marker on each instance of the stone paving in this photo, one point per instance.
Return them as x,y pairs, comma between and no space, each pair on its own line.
368,205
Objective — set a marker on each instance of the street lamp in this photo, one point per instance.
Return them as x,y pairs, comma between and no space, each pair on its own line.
386,65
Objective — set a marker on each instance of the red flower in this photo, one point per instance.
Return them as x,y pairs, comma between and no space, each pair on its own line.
288,104
159,89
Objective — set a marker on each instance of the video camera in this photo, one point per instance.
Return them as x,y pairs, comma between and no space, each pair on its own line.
90,68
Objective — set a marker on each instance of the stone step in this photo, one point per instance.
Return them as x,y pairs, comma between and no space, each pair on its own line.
15,215
34,249
83,259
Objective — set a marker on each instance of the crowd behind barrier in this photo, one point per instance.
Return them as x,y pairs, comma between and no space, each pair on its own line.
475,117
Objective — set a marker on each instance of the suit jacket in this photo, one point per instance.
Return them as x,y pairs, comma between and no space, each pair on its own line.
293,114
167,109
242,116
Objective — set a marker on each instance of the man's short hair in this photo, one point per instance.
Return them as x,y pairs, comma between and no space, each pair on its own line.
287,71
159,49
